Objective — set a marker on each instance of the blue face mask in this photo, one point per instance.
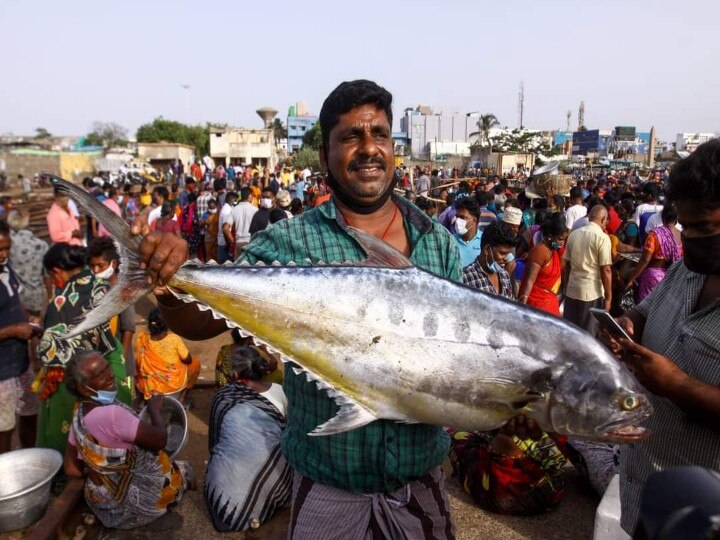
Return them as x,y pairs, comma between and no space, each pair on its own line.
556,245
493,267
103,397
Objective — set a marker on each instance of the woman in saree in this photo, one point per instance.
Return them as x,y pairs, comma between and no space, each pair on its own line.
129,479
164,364
543,272
661,249
77,292
247,419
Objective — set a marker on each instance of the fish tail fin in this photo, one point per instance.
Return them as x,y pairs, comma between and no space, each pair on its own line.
132,281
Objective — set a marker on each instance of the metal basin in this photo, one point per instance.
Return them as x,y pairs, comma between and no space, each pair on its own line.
175,420
25,477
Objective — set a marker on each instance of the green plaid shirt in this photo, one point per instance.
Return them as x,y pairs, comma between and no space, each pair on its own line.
382,456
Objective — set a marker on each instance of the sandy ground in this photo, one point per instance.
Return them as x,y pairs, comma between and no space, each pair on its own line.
572,520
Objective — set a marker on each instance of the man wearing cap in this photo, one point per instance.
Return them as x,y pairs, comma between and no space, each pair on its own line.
283,201
513,217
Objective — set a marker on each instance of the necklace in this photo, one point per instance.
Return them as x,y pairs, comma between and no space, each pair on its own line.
387,229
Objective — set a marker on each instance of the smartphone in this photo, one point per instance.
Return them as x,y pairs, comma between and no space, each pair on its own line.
610,324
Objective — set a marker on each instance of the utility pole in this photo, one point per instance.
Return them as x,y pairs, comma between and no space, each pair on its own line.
186,87
521,103
581,115
569,114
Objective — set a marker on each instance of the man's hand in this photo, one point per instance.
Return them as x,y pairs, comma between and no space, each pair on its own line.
607,304
523,427
655,372
161,254
24,331
611,342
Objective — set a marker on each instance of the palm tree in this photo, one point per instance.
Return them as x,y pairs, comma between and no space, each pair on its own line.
485,124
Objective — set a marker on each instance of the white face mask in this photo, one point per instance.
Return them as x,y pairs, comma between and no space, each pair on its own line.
107,273
213,210
120,198
266,203
461,226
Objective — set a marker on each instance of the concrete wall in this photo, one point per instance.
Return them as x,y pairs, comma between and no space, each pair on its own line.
72,166
155,152
243,145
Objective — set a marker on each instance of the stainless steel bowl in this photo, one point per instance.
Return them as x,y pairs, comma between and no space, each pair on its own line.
25,477
175,420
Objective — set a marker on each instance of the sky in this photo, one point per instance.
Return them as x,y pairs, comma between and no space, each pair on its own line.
64,65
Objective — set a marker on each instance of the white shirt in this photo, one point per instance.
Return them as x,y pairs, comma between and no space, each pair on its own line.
222,218
645,208
276,396
241,217
573,213
655,221
154,215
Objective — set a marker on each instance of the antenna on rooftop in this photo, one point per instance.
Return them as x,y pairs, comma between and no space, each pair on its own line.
581,115
569,115
521,103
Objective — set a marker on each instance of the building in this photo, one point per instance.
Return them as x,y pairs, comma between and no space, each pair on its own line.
164,154
70,165
591,142
297,127
689,142
299,122
235,146
424,125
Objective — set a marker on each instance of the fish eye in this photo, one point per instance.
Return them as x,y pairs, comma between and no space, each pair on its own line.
630,403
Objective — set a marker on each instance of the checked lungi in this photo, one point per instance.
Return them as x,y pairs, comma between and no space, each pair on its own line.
419,510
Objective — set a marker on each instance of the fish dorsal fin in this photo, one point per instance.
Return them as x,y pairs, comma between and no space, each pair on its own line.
379,254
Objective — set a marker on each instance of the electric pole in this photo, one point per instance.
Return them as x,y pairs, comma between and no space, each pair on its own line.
521,103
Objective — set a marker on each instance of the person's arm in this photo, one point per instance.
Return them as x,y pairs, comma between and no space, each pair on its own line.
227,233
534,264
645,258
606,277
152,436
23,331
664,378
71,463
627,248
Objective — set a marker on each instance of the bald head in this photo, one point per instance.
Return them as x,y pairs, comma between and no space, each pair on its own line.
598,214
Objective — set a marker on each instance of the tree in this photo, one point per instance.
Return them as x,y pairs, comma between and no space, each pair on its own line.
107,134
313,137
42,133
161,130
485,124
279,129
307,157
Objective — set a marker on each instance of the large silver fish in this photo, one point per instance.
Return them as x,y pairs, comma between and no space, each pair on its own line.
388,340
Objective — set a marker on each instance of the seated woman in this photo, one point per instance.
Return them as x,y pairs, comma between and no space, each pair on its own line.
130,481
223,366
247,419
163,363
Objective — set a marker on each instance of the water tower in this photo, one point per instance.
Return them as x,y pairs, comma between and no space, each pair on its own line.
267,114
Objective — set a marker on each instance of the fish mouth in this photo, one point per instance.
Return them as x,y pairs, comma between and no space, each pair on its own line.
626,434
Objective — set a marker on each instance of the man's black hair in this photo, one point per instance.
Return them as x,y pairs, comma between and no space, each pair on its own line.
482,197
231,196
697,177
470,204
162,191
497,234
4,229
347,96
651,191
575,193
104,247
245,193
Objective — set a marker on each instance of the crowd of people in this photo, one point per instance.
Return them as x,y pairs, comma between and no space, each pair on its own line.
644,249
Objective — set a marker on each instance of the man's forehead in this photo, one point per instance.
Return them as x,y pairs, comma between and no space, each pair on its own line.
364,114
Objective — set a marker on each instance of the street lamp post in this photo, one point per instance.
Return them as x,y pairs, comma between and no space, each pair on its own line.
186,87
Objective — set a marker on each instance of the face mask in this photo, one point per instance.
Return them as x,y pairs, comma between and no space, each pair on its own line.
103,397
120,198
107,273
493,267
702,255
461,226
556,244
266,203
213,211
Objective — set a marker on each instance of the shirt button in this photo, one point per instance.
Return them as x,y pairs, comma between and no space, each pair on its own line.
681,338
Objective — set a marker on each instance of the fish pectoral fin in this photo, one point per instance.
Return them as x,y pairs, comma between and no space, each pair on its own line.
350,416
379,254
507,391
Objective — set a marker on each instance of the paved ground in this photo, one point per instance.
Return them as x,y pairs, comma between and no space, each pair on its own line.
572,520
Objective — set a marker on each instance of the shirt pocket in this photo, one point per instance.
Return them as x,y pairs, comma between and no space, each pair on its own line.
701,356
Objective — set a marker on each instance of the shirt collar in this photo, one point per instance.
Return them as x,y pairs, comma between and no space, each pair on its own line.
411,214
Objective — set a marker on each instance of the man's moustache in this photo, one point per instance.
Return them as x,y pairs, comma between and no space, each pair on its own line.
355,165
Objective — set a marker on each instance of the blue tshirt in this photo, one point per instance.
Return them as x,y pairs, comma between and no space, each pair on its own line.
469,250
